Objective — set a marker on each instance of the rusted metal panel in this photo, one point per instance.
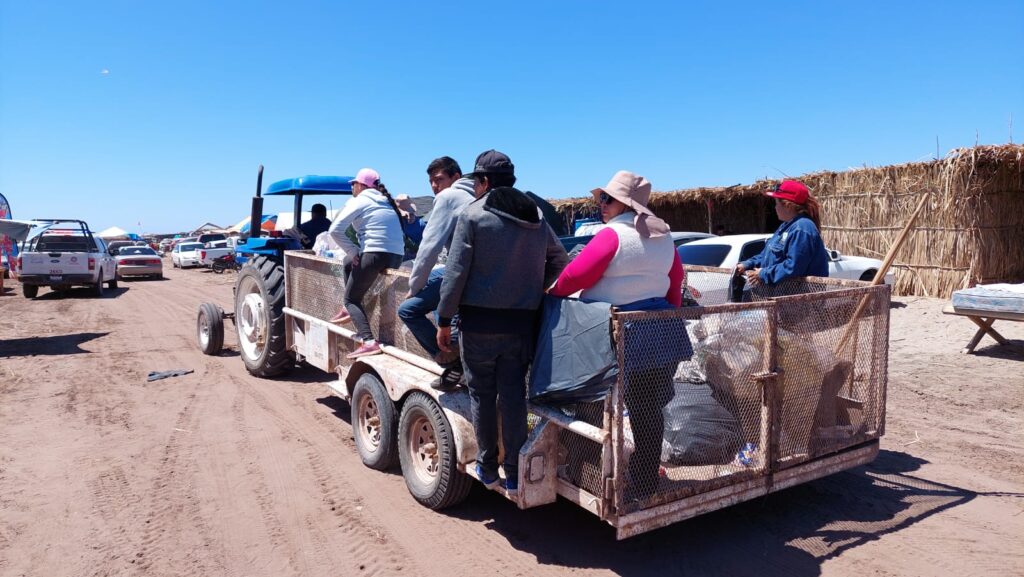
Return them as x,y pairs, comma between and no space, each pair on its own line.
538,467
673,512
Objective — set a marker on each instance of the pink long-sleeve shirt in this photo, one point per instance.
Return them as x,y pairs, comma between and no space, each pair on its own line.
588,267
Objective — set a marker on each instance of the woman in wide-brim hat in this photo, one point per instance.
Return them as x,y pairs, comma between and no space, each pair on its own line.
632,264
796,248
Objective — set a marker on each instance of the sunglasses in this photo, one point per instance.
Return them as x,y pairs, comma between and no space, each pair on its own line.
605,198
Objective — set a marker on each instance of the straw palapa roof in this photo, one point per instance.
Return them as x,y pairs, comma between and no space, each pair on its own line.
970,232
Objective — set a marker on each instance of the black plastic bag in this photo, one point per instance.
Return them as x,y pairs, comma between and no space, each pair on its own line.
698,430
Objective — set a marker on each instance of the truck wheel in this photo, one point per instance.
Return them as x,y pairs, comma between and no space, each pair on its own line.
259,318
426,448
97,289
374,423
869,275
210,328
113,283
30,290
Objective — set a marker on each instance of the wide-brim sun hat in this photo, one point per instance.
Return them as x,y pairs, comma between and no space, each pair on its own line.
634,191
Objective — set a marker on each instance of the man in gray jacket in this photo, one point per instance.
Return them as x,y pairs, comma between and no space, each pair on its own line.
452,193
503,256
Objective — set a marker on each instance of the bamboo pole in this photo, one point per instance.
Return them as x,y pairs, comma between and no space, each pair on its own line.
880,275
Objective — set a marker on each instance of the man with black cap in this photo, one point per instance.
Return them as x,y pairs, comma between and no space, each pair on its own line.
503,255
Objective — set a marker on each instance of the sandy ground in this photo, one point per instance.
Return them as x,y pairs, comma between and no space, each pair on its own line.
219,473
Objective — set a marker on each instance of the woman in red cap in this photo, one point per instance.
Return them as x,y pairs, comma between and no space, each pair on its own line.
796,248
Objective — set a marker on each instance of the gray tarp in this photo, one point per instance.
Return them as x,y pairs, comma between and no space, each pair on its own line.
575,359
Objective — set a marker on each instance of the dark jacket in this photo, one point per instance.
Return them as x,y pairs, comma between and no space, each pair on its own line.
314,226
503,255
796,249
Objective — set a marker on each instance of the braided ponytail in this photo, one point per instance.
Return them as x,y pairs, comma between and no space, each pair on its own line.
379,186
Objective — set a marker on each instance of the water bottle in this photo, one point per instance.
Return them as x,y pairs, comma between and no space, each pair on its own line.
746,455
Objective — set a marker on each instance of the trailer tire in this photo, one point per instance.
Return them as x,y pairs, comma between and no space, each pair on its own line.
210,328
426,448
374,423
259,318
30,291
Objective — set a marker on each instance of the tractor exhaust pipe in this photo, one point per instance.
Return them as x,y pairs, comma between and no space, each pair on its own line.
256,214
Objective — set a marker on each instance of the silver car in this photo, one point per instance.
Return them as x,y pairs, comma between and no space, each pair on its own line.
139,261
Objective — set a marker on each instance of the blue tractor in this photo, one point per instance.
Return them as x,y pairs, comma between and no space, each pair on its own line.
258,313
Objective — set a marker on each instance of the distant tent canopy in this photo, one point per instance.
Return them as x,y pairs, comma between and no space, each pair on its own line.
114,233
267,223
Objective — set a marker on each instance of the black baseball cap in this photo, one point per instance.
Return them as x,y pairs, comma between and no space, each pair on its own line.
492,162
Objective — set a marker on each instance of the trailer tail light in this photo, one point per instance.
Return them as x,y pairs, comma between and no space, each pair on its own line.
92,263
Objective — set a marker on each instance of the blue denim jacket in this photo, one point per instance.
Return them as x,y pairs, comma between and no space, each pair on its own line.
796,249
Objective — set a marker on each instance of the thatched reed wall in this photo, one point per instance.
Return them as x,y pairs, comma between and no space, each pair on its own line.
971,230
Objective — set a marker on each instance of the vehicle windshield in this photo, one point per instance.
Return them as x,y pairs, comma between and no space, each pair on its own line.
191,246
130,250
703,254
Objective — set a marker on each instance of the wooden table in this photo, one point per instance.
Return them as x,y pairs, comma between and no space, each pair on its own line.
984,320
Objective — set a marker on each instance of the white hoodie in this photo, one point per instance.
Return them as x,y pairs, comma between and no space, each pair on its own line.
375,222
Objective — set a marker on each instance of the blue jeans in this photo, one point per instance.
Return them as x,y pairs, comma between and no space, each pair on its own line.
414,312
495,366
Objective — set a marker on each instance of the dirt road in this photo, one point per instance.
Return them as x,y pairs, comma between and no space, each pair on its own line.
219,473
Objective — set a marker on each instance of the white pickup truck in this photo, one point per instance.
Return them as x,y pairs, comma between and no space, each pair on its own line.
64,253
215,249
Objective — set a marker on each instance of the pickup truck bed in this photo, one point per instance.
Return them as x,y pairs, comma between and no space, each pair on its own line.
63,259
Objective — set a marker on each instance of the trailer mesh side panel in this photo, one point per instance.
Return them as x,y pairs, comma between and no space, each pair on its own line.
316,286
580,458
710,396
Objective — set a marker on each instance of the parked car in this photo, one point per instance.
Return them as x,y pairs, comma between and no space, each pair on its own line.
116,245
210,237
185,254
139,261
211,251
574,244
64,257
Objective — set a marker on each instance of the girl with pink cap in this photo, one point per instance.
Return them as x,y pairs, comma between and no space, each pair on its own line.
376,219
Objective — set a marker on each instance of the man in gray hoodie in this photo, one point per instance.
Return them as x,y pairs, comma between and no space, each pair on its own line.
452,194
503,256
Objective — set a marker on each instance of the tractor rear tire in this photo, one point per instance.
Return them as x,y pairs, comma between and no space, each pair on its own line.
259,317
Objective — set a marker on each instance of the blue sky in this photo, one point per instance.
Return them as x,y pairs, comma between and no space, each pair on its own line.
154,116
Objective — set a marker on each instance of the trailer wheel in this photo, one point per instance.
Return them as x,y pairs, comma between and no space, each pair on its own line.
374,423
210,328
259,317
426,448
30,290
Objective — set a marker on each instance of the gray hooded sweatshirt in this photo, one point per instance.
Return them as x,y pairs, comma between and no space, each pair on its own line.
448,204
503,256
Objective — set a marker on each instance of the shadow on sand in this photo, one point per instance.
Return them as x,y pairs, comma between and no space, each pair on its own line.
54,345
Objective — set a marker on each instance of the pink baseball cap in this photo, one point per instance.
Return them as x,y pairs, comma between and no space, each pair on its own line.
367,176
791,190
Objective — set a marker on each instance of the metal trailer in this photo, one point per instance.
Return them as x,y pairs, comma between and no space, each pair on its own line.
801,370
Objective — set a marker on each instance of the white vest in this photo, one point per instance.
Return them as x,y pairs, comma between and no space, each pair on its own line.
639,270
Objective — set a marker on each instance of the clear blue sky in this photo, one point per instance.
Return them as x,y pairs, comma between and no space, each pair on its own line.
159,112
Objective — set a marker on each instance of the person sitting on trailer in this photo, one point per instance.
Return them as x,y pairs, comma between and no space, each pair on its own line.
796,248
632,264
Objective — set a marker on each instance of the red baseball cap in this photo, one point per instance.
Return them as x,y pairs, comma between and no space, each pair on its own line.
790,190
